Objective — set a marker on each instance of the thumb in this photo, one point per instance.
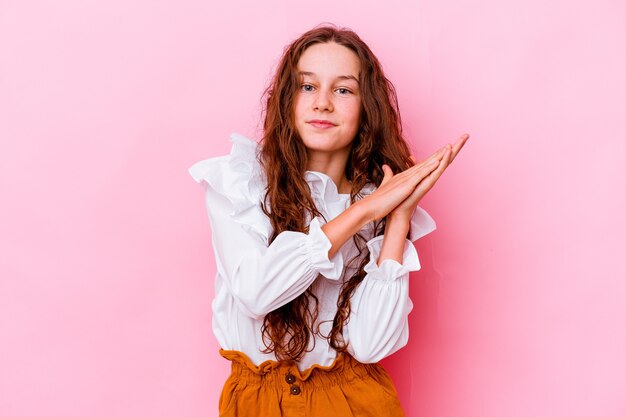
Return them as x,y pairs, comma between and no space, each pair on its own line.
387,173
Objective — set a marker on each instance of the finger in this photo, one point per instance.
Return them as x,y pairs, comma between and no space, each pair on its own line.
430,180
425,169
443,164
427,183
417,173
458,145
387,174
435,156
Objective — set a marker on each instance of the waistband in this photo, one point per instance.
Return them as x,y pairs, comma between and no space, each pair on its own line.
344,369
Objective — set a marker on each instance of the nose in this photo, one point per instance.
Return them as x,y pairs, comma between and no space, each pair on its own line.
322,101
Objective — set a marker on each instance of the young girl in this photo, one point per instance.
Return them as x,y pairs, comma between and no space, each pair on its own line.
312,232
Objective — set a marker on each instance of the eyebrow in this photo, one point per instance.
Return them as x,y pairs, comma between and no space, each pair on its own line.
340,77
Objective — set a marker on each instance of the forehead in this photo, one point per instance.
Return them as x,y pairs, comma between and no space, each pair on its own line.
329,60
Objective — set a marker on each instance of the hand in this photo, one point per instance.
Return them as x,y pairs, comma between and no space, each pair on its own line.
396,188
405,209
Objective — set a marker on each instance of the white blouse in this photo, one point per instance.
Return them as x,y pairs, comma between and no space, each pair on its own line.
254,278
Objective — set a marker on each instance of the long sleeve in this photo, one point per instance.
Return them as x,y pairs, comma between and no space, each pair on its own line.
380,305
259,276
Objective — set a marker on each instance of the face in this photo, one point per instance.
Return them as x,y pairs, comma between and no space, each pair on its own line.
328,104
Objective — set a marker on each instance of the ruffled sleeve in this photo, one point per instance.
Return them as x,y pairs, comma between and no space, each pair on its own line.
380,305
259,276
421,224
239,179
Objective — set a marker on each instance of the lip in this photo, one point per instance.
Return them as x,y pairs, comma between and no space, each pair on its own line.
321,124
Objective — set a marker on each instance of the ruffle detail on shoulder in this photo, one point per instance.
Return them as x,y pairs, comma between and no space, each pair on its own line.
240,179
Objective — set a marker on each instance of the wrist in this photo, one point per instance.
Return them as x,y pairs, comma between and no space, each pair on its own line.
364,210
398,224
399,217
396,232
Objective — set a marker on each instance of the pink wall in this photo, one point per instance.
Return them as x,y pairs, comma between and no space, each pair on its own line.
105,272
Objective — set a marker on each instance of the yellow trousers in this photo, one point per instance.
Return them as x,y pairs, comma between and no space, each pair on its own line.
277,388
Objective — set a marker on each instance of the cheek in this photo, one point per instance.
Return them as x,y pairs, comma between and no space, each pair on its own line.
296,107
354,112
359,112
297,102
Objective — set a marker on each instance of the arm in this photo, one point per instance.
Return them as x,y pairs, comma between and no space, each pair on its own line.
396,230
260,277
378,324
264,277
406,215
397,198
380,305
345,225
384,201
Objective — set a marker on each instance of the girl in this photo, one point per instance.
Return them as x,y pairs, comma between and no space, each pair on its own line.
312,232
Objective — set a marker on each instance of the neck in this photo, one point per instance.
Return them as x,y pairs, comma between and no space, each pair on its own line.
334,166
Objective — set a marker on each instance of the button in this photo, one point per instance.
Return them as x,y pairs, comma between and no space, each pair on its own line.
290,379
295,390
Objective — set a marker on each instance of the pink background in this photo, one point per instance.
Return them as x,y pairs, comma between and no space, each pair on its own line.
106,266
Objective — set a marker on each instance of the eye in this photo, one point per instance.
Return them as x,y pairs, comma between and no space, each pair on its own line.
306,87
344,91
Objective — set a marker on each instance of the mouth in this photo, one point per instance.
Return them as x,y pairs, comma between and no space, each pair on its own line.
321,124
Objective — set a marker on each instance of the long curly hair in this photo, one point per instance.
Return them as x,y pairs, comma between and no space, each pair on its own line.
288,330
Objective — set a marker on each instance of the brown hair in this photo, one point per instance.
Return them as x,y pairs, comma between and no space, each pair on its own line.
288,329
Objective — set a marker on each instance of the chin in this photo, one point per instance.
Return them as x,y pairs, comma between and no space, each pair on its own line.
324,143
324,148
